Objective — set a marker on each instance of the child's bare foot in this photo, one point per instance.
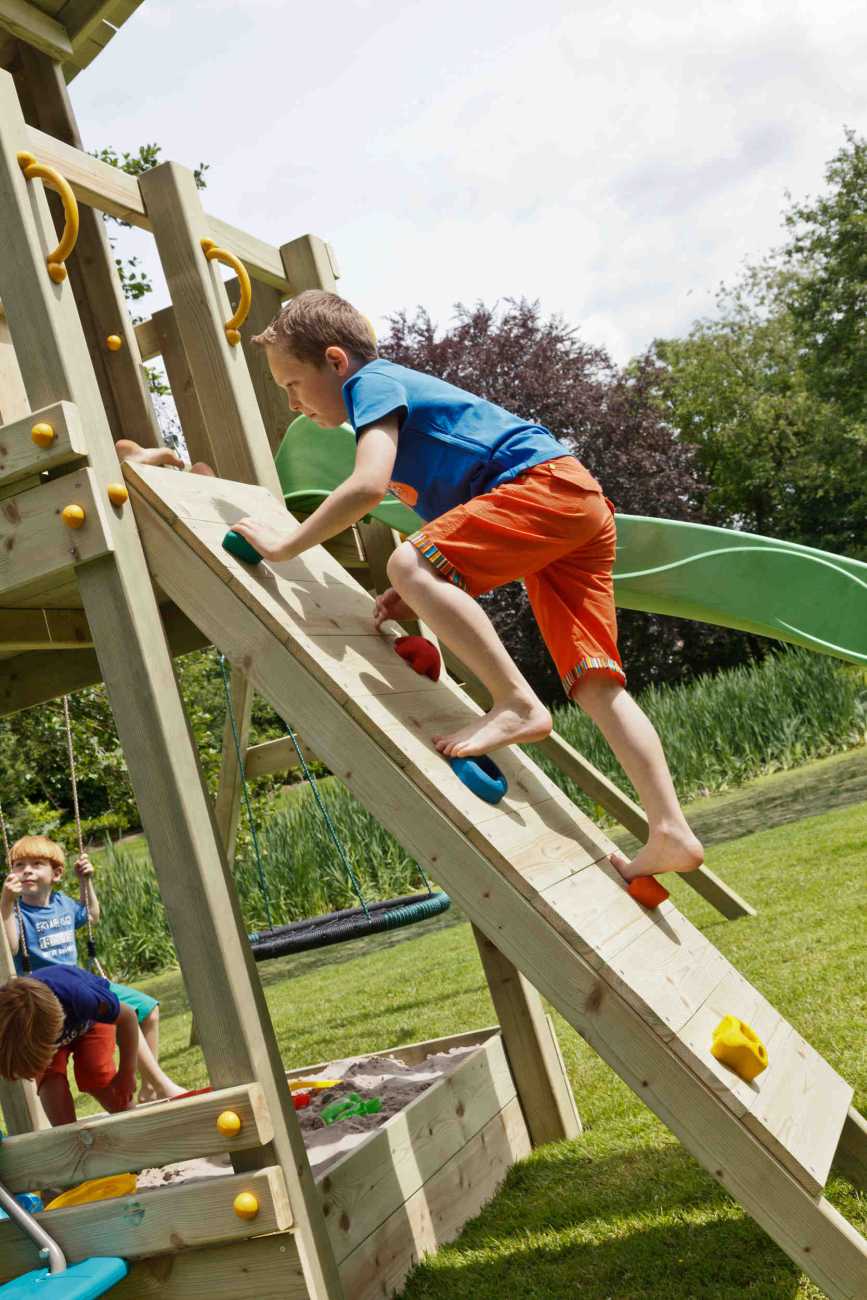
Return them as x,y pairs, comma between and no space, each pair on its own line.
515,721
665,851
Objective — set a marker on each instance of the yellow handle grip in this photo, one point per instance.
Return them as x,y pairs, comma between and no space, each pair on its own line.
216,254
34,170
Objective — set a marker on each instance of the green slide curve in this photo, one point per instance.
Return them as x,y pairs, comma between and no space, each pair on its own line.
713,575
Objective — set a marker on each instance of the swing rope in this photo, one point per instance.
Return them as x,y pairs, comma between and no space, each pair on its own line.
92,959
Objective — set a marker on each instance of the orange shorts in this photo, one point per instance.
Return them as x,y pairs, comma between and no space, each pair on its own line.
553,527
93,1057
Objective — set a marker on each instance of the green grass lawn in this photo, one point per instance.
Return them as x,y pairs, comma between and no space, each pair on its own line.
622,1213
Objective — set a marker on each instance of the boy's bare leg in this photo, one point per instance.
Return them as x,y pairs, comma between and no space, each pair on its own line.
517,715
128,450
155,1083
671,845
56,1098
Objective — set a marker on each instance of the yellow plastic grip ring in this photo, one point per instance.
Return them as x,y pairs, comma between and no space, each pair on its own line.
216,254
34,170
73,516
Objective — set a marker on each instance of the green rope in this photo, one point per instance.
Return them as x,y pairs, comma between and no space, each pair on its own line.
260,870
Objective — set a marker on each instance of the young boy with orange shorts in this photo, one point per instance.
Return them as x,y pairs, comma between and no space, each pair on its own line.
502,499
63,1011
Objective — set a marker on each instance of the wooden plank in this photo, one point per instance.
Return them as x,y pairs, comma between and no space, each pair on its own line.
117,595
43,629
410,1053
21,457
219,371
265,1268
309,263
236,731
34,677
436,1213
275,756
88,50
33,27
520,921
81,18
537,1067
158,1221
273,406
145,1138
34,540
194,424
372,1181
13,396
148,339
851,1157
93,275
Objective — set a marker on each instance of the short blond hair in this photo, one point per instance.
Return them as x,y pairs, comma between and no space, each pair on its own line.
316,320
31,1022
38,846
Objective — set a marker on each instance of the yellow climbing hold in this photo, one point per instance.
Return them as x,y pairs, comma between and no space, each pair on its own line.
739,1047
117,494
229,1123
73,516
43,435
114,343
245,1205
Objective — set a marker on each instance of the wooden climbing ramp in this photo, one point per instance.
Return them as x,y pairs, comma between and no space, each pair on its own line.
645,989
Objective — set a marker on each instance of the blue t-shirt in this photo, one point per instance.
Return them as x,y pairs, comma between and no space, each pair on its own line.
49,932
86,999
452,445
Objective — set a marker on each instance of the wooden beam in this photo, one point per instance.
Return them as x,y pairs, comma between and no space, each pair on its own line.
159,1221
34,677
36,544
537,1067
21,457
194,425
265,1268
82,18
236,732
219,371
148,339
43,629
851,1157
271,400
310,264
13,395
275,756
148,1137
93,275
33,27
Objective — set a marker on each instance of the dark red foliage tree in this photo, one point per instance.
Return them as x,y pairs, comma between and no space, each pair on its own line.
542,371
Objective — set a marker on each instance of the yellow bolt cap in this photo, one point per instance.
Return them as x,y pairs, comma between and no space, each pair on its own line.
245,1205
114,343
43,435
73,516
117,494
57,271
229,1123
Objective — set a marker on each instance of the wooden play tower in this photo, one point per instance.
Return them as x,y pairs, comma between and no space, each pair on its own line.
136,574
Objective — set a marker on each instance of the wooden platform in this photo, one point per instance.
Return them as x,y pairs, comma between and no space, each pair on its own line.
644,988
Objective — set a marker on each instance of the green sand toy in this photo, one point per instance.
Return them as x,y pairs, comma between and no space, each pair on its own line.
715,575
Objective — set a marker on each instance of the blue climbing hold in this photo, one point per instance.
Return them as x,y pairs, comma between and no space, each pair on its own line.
238,546
482,776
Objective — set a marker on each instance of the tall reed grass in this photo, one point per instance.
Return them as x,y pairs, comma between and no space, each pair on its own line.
717,733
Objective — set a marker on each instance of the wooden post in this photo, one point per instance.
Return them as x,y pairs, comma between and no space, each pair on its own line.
13,398
92,273
118,598
194,426
273,406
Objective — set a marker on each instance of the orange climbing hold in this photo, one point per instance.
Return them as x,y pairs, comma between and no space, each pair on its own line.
647,891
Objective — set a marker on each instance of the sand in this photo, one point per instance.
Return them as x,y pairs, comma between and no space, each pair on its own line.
391,1080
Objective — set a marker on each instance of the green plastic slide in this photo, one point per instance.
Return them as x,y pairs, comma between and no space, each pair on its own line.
714,575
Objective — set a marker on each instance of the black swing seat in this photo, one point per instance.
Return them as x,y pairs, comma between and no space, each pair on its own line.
349,923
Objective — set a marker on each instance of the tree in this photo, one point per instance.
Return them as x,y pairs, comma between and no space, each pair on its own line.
540,369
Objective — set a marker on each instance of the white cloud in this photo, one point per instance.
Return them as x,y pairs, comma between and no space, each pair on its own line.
615,160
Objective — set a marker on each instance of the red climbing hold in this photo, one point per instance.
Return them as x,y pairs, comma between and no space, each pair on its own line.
647,890
421,655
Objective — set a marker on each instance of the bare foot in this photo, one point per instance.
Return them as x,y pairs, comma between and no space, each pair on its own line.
664,851
516,721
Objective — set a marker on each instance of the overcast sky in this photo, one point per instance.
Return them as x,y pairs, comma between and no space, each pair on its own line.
616,161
